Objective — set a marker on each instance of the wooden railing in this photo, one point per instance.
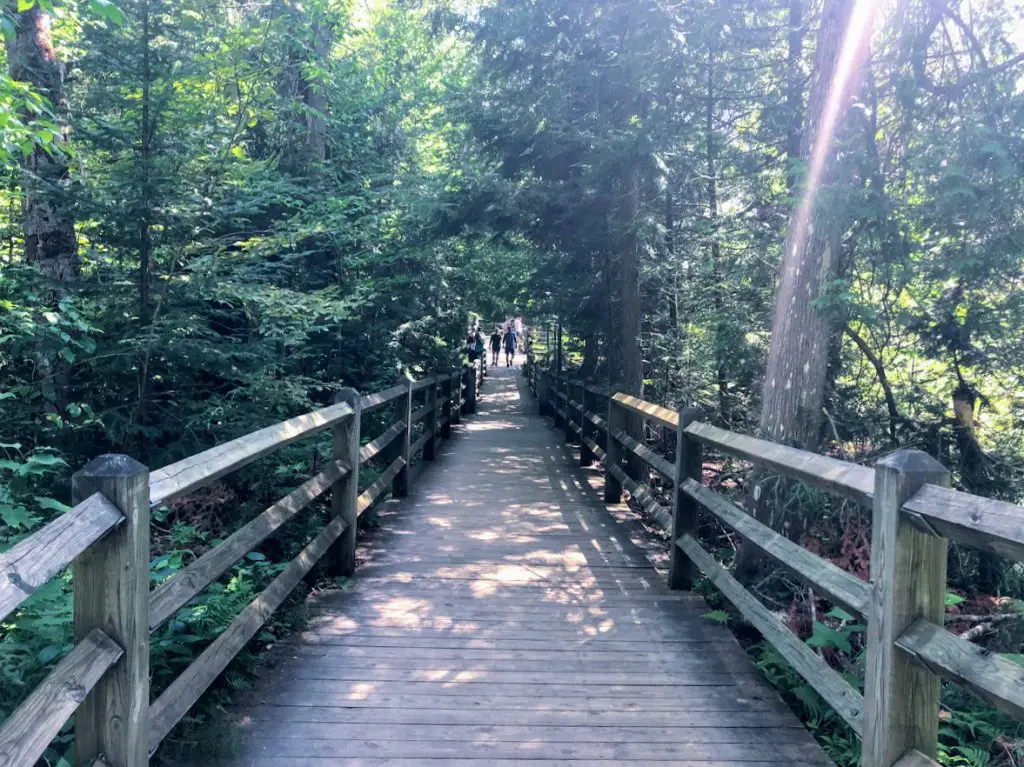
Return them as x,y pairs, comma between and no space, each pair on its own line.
104,679
914,515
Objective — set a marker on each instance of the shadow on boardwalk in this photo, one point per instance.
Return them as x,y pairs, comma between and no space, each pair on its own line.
502,615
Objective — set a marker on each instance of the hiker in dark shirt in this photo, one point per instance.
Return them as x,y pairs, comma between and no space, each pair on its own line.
495,346
510,346
474,345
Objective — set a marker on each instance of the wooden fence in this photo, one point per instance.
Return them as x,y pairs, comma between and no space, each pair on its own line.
104,680
914,515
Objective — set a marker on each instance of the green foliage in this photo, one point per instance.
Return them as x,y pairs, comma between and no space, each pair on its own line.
277,201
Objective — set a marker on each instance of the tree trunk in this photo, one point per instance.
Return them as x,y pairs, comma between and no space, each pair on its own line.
794,385
309,41
715,250
670,257
146,163
589,354
794,92
975,477
49,225
631,374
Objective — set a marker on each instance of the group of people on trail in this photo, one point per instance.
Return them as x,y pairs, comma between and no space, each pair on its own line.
505,337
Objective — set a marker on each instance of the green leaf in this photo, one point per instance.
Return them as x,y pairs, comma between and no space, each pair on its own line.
255,556
67,355
839,614
16,517
718,616
824,636
52,504
46,459
952,600
105,9
26,5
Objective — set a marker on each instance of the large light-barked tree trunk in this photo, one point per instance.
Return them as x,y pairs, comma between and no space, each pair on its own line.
49,224
630,372
794,385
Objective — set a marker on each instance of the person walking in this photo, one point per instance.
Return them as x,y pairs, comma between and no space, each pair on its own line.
474,345
495,345
478,347
510,346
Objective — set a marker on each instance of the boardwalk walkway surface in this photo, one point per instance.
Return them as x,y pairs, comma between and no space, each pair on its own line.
503,616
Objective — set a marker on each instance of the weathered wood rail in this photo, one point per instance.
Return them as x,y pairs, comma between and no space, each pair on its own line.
914,515
104,680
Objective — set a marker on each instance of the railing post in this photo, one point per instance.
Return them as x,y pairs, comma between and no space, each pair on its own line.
559,403
586,427
445,382
469,381
403,412
613,451
455,387
908,576
684,508
430,419
344,495
111,593
540,381
570,435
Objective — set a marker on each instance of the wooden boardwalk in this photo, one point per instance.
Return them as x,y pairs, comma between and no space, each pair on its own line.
503,616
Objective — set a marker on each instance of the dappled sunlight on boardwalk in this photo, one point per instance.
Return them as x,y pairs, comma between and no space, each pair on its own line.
502,615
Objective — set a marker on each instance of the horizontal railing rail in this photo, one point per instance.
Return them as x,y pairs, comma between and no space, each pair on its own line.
914,515
104,679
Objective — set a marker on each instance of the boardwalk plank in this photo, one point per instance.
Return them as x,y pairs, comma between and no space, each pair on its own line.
502,615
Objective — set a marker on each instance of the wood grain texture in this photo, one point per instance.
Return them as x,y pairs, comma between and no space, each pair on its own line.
651,458
846,701
849,480
29,564
842,588
372,449
908,573
28,732
501,614
374,491
642,494
184,691
345,492
416,446
369,403
988,675
424,383
174,593
914,758
613,455
650,411
402,447
196,471
982,523
111,593
688,467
